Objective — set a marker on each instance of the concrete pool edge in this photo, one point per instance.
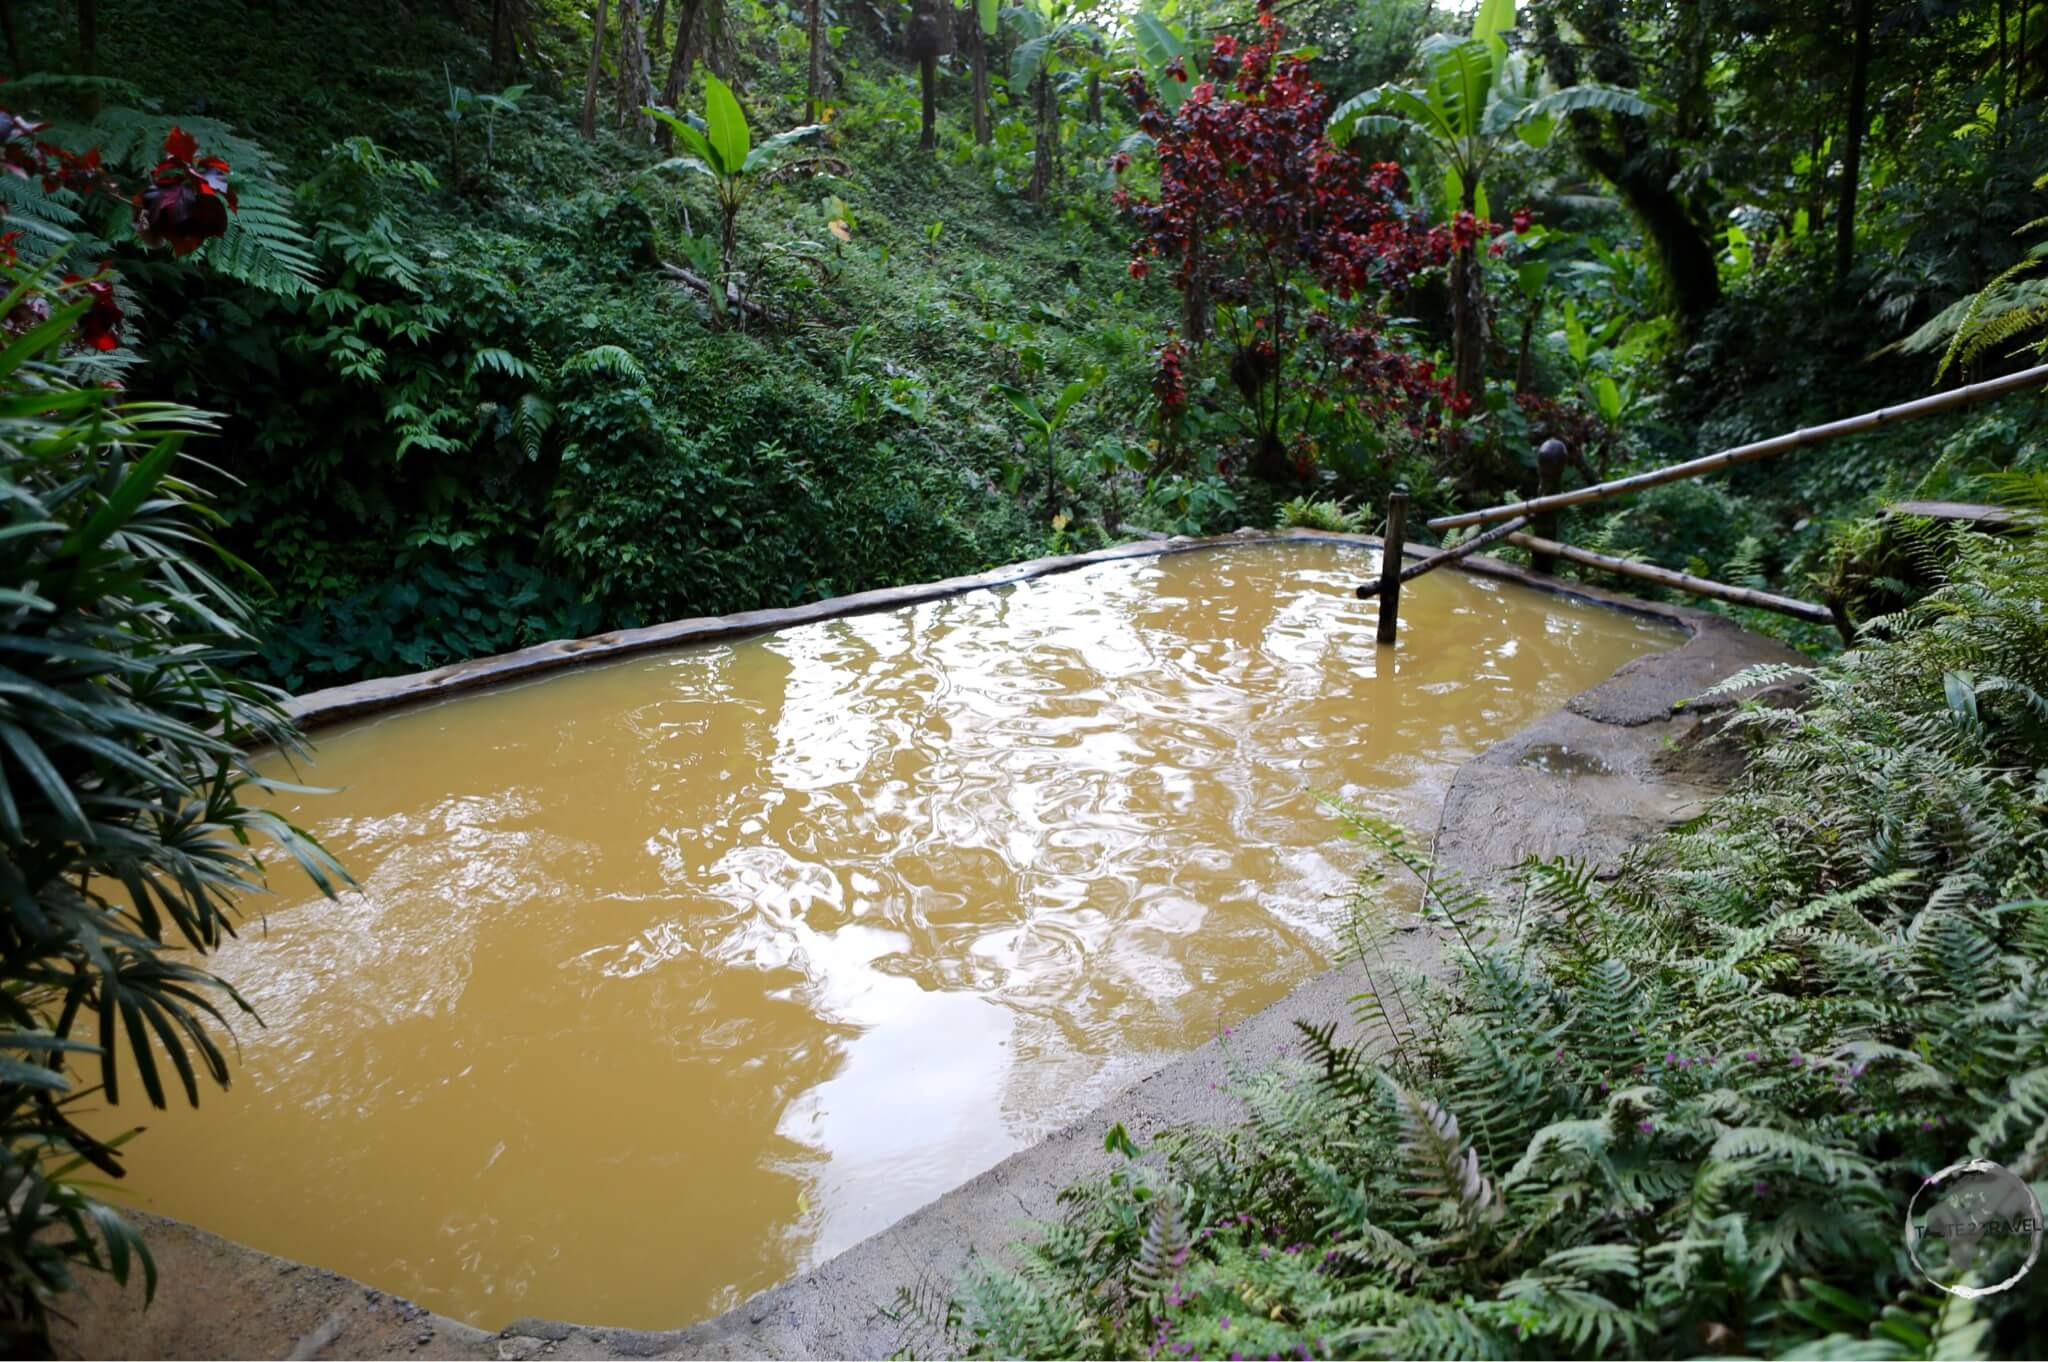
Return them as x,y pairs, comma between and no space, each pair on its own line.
335,704
1635,768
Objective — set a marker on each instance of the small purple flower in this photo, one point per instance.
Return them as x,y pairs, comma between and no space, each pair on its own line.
1646,1125
1670,1058
1750,1055
1760,1188
1796,1061
1223,1321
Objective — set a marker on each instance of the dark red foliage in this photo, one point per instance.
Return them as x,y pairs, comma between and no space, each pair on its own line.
1169,384
103,318
1256,206
187,199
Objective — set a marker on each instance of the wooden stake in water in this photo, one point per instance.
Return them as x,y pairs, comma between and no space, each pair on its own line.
1390,563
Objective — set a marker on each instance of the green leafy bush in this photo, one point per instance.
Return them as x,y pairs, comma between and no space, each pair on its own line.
1679,1112
128,805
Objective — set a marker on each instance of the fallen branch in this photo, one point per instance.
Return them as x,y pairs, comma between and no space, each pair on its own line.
704,286
1678,581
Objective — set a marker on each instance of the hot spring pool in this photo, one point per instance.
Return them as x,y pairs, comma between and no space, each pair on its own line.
672,976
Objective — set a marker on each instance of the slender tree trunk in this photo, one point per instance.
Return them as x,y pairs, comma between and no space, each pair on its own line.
926,38
1852,144
977,57
596,70
1095,98
814,85
1468,310
89,49
1525,369
928,83
1194,300
1046,108
679,67
657,27
498,34
636,87
14,60
2003,131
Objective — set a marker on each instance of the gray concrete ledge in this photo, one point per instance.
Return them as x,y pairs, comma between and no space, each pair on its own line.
1618,763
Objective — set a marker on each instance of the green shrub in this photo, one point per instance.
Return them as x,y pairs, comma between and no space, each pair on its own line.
126,811
1317,513
1680,1112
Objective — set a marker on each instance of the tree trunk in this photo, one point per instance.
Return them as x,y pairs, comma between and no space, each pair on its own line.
814,85
968,38
1468,310
636,88
657,27
1095,98
89,51
928,83
13,39
596,69
1046,108
679,68
926,40
1525,369
1620,151
1852,147
501,32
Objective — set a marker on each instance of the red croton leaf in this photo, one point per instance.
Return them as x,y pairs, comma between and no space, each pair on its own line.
187,200
102,320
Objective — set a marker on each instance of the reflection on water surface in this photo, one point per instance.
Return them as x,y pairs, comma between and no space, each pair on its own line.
673,976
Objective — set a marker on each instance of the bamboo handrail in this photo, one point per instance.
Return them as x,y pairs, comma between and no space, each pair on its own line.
1370,590
1761,449
1678,581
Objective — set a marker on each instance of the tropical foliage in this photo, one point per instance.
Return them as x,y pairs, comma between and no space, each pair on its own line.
130,814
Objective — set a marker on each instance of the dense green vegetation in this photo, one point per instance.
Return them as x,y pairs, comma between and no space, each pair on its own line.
521,319
470,402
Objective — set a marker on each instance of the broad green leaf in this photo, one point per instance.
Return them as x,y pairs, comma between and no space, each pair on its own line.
1574,332
1069,395
1608,397
986,11
725,127
765,155
1494,19
692,140
1534,274
1536,130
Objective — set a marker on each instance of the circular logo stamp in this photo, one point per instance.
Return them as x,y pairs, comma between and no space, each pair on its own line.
1974,1228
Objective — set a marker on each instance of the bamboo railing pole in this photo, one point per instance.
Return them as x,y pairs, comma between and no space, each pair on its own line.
1390,563
1370,590
1762,449
1678,581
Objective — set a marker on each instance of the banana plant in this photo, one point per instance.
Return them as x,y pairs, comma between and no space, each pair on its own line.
1046,425
1475,98
1054,40
723,150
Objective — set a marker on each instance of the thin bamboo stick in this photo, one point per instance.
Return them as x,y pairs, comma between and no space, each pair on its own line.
1369,590
1678,581
1762,449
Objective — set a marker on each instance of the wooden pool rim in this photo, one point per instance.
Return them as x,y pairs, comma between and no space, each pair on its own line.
219,1298
317,709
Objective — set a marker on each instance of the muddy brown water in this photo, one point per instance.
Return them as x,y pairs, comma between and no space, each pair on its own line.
672,976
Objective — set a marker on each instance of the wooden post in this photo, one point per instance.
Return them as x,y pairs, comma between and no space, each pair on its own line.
1549,481
1390,562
